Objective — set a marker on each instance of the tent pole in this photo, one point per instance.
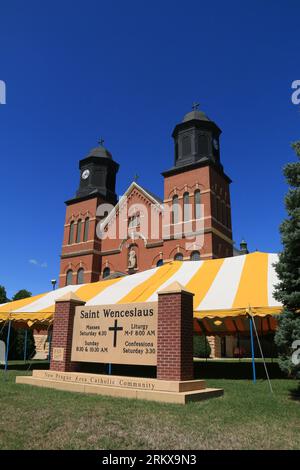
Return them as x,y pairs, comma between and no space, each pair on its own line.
7,345
50,339
272,343
262,336
239,345
25,344
252,349
261,352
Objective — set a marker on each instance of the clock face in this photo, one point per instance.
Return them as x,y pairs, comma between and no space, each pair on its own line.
215,144
85,174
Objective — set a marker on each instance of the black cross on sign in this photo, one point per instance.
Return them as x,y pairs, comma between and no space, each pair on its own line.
115,329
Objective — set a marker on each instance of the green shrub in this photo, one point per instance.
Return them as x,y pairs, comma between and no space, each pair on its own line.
201,346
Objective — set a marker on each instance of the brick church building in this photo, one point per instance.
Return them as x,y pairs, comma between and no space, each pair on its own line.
96,245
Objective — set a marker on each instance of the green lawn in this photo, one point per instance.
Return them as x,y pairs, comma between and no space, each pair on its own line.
247,417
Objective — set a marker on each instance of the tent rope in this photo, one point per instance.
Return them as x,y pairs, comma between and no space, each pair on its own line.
260,348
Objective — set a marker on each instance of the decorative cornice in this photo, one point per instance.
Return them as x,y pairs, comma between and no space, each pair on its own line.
80,253
155,244
199,232
110,252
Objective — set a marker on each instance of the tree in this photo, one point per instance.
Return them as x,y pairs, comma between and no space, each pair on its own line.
287,268
22,294
3,297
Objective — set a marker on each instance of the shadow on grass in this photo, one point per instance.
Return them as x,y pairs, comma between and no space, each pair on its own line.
27,365
202,370
236,370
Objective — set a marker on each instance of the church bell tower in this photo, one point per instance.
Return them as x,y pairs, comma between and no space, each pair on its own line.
197,179
81,250
98,174
196,140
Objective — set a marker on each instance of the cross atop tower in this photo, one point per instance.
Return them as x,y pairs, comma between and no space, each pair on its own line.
101,141
195,106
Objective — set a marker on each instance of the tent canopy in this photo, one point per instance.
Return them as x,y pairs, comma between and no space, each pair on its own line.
224,288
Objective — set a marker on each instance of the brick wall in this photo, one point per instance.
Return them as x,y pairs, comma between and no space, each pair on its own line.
63,332
175,335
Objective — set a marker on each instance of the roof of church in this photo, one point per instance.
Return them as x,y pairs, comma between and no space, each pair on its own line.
134,184
158,199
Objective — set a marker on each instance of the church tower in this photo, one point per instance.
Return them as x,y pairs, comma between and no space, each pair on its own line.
197,179
81,250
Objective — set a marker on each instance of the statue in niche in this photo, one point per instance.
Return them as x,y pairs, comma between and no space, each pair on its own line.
131,259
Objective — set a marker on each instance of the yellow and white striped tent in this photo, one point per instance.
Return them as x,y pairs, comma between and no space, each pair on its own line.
224,289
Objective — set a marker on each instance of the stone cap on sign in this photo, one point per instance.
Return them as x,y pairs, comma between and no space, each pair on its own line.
174,288
70,297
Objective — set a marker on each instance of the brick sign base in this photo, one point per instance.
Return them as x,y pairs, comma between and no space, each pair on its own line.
175,377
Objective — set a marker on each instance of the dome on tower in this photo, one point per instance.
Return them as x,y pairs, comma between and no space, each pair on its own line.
195,114
196,140
98,173
100,152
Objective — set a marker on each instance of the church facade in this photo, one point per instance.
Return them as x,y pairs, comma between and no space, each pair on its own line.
106,237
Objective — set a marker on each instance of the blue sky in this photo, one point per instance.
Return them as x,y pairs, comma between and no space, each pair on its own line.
129,71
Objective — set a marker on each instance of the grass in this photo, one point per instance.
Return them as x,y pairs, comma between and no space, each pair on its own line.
247,417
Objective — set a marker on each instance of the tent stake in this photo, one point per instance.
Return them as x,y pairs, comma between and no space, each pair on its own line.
252,350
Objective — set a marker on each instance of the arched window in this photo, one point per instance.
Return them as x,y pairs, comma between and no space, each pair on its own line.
86,229
228,218
78,235
197,204
134,221
186,146
223,213
160,262
106,272
195,256
80,275
186,207
71,233
178,257
175,210
203,145
176,150
69,278
219,210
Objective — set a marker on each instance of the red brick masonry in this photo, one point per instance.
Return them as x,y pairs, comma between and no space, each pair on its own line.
175,334
63,332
